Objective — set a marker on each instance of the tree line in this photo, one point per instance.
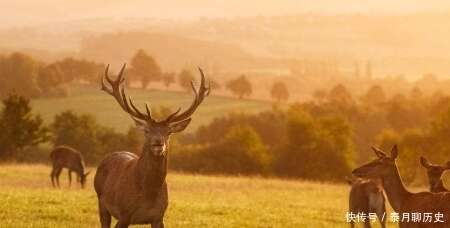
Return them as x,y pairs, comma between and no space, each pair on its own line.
26,76
322,138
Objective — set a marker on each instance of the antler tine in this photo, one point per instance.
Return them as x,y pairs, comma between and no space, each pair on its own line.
199,95
169,118
136,110
149,111
117,90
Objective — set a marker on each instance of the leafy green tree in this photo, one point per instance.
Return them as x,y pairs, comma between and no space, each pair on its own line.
374,96
240,151
18,74
49,79
79,69
168,79
78,131
280,92
316,148
185,77
82,132
20,128
145,67
240,87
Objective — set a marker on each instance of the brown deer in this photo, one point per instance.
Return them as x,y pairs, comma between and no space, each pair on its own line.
133,188
402,200
434,173
366,196
69,158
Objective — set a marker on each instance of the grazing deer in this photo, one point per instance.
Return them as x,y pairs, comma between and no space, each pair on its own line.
133,188
366,196
401,200
67,157
434,173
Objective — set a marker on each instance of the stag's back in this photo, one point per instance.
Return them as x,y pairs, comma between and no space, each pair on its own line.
67,157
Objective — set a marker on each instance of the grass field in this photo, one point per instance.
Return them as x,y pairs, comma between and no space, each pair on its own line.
27,200
89,99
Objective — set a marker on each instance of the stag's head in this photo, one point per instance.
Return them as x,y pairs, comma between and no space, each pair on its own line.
157,132
434,172
381,167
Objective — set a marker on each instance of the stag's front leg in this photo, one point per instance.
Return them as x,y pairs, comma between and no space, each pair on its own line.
159,224
121,224
70,178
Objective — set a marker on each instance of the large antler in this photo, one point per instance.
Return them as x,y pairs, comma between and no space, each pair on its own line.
117,90
199,95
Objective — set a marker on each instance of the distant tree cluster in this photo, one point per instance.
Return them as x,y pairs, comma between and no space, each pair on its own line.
26,76
284,143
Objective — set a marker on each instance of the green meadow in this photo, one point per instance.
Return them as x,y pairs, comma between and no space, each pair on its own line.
90,99
27,200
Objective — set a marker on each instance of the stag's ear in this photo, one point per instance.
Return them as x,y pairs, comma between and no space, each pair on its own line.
378,152
394,151
424,162
179,126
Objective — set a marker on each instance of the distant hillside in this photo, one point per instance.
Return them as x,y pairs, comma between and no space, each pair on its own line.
92,100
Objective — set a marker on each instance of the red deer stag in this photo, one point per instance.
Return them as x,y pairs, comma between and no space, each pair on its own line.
366,196
67,157
434,173
133,188
402,201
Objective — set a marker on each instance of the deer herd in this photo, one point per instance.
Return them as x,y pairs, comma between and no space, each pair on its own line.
132,188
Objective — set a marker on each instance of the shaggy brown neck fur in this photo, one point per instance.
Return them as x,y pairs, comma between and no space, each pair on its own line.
152,171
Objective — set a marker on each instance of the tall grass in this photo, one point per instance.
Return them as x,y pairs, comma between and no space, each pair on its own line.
27,200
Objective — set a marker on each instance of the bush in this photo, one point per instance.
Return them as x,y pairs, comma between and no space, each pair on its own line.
316,148
84,134
240,152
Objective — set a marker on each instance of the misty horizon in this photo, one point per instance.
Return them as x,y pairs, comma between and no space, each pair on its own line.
30,13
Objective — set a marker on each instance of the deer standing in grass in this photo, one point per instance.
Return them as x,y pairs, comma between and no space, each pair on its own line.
434,173
366,196
67,157
133,188
402,200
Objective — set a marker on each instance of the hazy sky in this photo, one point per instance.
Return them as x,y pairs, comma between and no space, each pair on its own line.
29,12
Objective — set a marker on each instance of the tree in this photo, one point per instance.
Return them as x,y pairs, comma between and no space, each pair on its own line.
20,128
340,95
145,67
280,91
240,87
311,150
79,69
185,78
49,78
18,75
84,134
374,96
168,79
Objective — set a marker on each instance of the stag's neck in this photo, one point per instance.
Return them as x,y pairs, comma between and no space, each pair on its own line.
438,187
395,190
151,173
